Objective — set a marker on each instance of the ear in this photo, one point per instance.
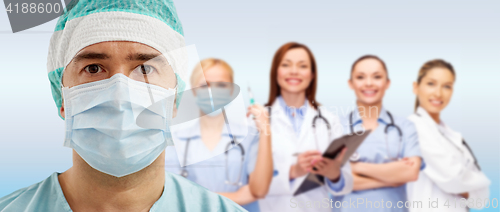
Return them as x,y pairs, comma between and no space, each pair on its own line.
174,111
415,88
388,84
349,82
61,111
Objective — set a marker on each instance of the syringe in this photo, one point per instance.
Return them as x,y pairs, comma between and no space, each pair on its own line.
250,95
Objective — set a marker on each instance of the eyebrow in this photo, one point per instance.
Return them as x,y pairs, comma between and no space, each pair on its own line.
147,57
90,56
445,83
300,61
132,57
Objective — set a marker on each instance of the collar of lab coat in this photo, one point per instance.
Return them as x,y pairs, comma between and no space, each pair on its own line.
278,116
455,137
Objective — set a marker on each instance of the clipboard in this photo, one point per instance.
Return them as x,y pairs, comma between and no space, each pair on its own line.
351,141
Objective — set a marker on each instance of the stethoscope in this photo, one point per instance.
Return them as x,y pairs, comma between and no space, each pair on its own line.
185,173
319,116
355,157
463,142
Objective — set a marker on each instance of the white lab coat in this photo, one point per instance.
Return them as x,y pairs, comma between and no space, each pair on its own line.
285,144
449,171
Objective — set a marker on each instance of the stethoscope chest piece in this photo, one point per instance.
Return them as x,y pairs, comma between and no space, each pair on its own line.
355,157
184,173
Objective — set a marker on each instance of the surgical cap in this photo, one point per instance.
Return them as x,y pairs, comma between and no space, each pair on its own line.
86,22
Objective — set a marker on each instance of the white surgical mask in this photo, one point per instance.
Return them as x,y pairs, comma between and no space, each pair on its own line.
220,96
114,125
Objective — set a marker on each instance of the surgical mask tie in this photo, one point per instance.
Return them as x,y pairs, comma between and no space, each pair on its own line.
220,97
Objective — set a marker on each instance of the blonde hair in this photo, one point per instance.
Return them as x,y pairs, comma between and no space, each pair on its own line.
207,64
429,65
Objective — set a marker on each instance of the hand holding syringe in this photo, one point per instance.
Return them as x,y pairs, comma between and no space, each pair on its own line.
252,100
258,113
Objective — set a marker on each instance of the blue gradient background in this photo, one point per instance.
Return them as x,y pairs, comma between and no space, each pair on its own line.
246,34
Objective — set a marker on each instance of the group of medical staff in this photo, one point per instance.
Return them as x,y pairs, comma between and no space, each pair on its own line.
118,89
419,158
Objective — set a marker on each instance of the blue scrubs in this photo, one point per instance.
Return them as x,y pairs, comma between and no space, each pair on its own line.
374,150
211,173
179,194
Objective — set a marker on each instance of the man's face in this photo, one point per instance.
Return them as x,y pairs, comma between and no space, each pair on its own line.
103,60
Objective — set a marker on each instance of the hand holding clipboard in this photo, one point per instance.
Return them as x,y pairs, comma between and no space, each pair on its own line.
345,146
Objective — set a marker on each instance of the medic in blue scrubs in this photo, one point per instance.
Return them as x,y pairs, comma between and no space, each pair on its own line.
233,159
390,156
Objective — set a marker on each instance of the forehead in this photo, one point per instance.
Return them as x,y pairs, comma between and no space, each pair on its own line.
118,48
296,54
369,65
216,73
440,74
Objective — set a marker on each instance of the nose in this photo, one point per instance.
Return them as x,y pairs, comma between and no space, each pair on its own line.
369,81
438,92
120,69
294,69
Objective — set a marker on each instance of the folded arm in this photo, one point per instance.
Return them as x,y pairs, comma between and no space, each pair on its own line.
447,170
365,183
402,171
345,183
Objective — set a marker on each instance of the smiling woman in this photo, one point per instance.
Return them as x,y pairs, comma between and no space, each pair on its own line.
452,170
301,131
294,69
389,157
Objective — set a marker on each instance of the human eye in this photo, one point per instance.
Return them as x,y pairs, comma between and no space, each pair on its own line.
378,77
359,77
93,69
448,87
430,83
284,65
145,69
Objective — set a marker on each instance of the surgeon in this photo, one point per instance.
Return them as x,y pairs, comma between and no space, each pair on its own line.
243,171
115,82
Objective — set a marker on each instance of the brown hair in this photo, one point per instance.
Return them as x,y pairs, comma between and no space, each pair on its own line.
275,89
369,56
429,65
